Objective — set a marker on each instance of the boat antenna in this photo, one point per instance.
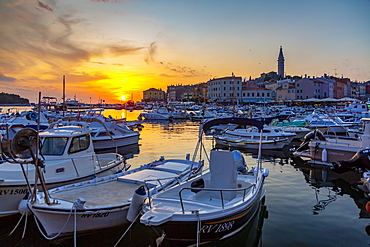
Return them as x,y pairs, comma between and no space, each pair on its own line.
64,94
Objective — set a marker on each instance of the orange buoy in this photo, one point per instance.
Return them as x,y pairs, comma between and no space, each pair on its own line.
368,206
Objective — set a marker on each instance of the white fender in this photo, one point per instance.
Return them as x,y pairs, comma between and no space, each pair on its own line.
136,202
324,155
23,208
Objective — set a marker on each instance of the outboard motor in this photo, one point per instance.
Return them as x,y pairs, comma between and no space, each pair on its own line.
241,166
314,134
360,160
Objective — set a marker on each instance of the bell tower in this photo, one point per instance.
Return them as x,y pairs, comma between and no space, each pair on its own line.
281,64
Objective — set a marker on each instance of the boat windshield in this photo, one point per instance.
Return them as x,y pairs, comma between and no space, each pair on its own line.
53,145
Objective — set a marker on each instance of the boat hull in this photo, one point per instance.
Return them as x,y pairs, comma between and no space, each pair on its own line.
184,233
67,222
270,144
11,196
107,143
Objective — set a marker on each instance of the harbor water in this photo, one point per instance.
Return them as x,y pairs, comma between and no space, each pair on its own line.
303,206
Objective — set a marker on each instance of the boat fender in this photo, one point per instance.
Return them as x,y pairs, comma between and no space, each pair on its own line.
324,155
31,116
23,208
136,202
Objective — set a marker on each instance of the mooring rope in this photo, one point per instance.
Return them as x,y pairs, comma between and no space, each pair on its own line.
65,224
132,223
16,226
198,228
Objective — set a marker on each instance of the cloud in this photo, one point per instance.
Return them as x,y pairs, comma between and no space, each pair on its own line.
152,51
123,50
115,64
44,6
181,71
6,78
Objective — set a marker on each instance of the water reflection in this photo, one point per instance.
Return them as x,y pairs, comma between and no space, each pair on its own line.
328,185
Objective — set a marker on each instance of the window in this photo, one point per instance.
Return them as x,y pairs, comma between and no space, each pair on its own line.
79,143
53,145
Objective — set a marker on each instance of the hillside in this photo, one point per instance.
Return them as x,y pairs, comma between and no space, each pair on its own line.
6,98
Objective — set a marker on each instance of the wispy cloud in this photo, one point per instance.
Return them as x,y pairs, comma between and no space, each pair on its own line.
44,6
150,55
181,71
6,78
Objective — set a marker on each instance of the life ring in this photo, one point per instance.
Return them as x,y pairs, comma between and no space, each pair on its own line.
32,116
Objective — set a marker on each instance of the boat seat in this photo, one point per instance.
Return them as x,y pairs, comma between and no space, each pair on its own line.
223,174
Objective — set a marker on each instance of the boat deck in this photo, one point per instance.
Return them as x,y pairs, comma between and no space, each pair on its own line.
105,194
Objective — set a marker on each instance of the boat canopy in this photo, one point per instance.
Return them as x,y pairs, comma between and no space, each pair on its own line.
239,121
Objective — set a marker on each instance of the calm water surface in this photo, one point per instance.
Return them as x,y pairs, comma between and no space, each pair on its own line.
306,206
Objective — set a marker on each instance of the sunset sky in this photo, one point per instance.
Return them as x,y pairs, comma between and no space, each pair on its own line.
114,48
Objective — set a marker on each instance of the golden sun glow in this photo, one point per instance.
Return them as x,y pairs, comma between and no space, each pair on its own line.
123,97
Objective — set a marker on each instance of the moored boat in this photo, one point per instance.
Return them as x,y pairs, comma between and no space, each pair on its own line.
68,156
326,150
212,206
106,202
272,138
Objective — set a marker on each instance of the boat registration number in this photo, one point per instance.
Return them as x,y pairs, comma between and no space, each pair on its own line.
13,192
215,228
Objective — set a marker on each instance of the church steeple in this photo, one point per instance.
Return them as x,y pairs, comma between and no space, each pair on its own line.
281,63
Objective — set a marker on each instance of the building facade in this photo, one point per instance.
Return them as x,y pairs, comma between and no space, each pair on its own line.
225,89
153,94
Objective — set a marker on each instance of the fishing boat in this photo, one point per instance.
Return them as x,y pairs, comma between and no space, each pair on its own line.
272,138
67,156
106,202
326,150
213,205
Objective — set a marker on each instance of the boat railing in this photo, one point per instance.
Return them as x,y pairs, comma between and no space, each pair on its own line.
215,189
164,183
337,142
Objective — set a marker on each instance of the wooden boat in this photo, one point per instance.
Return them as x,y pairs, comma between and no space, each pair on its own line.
106,202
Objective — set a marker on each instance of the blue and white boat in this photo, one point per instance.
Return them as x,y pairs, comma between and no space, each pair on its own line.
214,205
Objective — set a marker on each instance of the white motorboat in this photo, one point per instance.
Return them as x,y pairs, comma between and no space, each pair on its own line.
326,123
26,119
110,135
105,135
212,206
69,156
272,138
106,202
160,113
